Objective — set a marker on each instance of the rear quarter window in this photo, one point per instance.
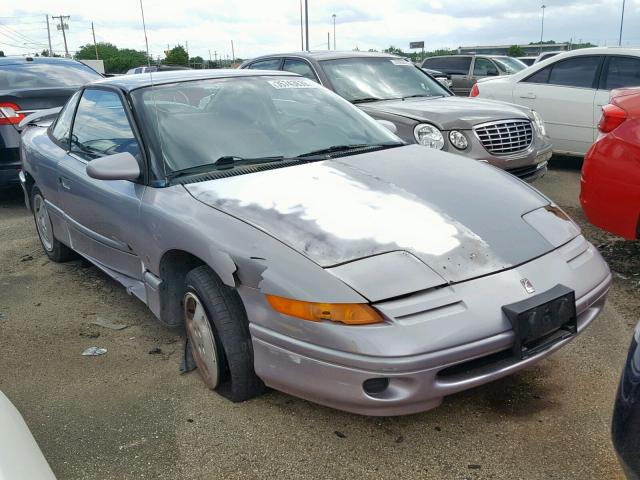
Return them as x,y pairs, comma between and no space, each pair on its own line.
450,65
622,72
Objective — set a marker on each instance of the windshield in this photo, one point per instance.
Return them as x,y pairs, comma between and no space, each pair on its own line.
379,78
509,65
44,75
262,118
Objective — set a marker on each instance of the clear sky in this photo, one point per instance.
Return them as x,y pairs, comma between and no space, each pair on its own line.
260,27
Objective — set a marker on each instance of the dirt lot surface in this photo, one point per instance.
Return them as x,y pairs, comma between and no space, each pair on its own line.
130,414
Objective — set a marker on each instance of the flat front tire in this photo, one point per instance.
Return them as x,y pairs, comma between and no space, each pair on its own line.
218,330
55,250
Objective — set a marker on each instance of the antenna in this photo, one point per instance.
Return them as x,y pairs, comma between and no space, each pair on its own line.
144,27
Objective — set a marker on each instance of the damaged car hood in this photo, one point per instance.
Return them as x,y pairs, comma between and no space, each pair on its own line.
460,217
448,113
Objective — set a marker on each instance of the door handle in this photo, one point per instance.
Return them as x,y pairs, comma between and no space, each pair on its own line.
64,182
529,95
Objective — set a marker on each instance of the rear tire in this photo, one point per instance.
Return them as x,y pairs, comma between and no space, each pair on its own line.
55,250
218,330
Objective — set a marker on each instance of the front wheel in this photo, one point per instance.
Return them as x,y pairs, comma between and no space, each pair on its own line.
55,250
218,331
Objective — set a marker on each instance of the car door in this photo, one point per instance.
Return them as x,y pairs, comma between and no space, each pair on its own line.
618,71
102,216
564,93
483,67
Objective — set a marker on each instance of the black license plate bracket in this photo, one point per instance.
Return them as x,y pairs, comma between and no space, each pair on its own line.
542,320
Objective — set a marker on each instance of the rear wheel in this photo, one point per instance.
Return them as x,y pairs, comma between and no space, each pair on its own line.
218,331
55,250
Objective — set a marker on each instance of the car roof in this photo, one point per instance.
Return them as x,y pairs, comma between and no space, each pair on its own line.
327,55
141,80
17,60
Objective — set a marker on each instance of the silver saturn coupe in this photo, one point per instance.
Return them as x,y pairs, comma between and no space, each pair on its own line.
301,244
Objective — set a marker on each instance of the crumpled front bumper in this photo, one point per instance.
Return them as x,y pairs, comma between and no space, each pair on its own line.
418,381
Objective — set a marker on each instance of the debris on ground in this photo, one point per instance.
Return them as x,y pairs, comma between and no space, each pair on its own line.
106,323
474,466
26,258
3,316
340,434
155,351
94,351
90,334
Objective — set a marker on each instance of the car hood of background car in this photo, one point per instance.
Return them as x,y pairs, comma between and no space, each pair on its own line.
460,217
448,113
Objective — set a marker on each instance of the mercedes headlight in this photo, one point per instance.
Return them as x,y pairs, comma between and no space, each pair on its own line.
537,119
429,136
458,139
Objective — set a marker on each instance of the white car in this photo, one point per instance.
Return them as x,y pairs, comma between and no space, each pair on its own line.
568,91
20,457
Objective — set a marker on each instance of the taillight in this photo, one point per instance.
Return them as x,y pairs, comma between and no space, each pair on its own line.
9,114
612,118
475,91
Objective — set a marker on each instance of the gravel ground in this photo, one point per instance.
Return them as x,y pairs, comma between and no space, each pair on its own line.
130,414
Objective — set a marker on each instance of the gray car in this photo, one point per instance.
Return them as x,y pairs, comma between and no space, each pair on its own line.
465,70
422,111
301,244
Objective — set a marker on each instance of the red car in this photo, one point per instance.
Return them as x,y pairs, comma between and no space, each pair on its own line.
610,183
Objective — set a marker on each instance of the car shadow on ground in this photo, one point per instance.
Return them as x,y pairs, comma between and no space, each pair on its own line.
11,196
562,162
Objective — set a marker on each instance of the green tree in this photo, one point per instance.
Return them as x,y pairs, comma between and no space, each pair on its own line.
176,56
516,51
1,53
196,62
116,60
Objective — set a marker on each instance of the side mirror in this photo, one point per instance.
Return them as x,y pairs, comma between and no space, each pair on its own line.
389,125
120,166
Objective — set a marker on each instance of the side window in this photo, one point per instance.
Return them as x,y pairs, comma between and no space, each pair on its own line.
62,128
101,127
484,67
575,72
300,67
622,72
271,64
541,76
456,65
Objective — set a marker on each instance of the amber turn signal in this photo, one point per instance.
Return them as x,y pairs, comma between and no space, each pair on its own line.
348,313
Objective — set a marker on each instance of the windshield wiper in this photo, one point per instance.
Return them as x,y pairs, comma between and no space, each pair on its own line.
222,163
346,148
367,100
420,95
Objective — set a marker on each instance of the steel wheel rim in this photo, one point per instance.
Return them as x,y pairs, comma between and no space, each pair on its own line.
43,223
201,337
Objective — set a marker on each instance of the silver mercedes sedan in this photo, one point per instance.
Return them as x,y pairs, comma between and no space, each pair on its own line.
301,244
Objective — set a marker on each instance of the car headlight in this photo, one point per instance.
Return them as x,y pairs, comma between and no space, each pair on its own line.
458,139
537,119
429,136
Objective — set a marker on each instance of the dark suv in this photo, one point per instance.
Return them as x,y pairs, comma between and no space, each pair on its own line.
26,85
465,70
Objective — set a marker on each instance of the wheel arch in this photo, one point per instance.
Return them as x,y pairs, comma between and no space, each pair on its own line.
174,266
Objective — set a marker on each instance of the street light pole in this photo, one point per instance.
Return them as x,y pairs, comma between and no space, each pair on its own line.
306,21
621,22
334,31
542,28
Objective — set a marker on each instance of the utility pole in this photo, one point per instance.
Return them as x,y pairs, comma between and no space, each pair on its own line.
62,27
186,43
144,27
210,61
49,35
328,42
94,40
215,55
233,52
306,21
542,29
621,23
334,31
301,29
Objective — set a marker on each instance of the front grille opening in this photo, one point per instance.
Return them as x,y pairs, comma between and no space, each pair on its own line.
505,137
495,360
